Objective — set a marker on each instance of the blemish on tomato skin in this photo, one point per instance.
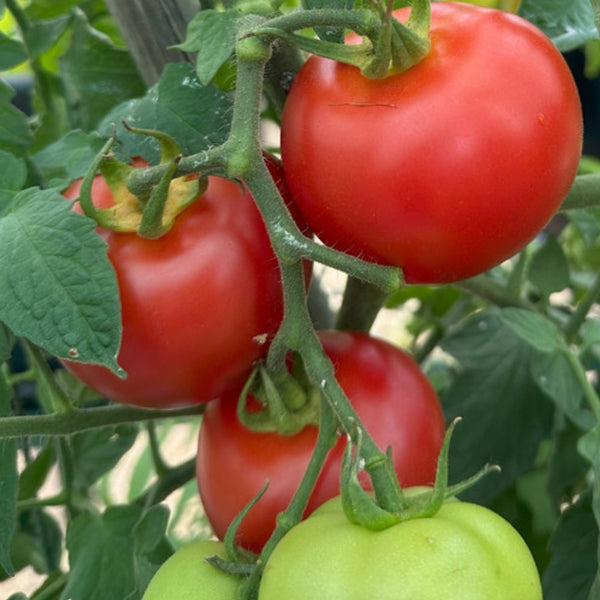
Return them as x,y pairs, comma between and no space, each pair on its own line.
541,119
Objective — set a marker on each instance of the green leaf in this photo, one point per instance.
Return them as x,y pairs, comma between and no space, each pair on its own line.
590,333
35,473
97,75
505,415
195,116
37,542
567,468
97,451
68,158
13,174
573,547
6,345
534,329
15,133
8,498
589,448
587,220
47,9
12,52
112,555
43,34
555,377
568,23
57,286
549,268
211,33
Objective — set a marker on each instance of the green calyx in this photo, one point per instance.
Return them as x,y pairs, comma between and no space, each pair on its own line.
152,214
388,46
287,405
361,507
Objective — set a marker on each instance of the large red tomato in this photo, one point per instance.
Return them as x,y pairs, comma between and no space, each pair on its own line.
199,304
392,397
448,168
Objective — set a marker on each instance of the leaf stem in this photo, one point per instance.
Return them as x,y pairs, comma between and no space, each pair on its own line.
588,390
584,193
61,424
160,466
172,479
47,384
583,308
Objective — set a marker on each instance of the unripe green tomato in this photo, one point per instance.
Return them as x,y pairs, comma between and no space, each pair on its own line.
464,552
187,576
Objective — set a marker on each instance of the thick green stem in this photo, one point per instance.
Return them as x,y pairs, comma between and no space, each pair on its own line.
360,306
584,193
359,20
301,336
294,512
296,332
77,420
208,162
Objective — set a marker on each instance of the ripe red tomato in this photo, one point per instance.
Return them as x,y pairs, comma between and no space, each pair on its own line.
446,169
199,304
392,397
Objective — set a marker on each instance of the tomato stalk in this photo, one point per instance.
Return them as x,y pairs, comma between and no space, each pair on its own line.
296,333
360,305
293,513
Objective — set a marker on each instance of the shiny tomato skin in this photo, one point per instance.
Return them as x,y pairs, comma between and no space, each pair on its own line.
199,304
464,552
448,168
392,397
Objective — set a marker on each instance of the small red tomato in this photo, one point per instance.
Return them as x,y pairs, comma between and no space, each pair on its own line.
393,399
199,304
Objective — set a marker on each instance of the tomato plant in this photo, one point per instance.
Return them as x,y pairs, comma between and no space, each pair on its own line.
480,146
186,338
391,395
464,551
186,575
448,168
